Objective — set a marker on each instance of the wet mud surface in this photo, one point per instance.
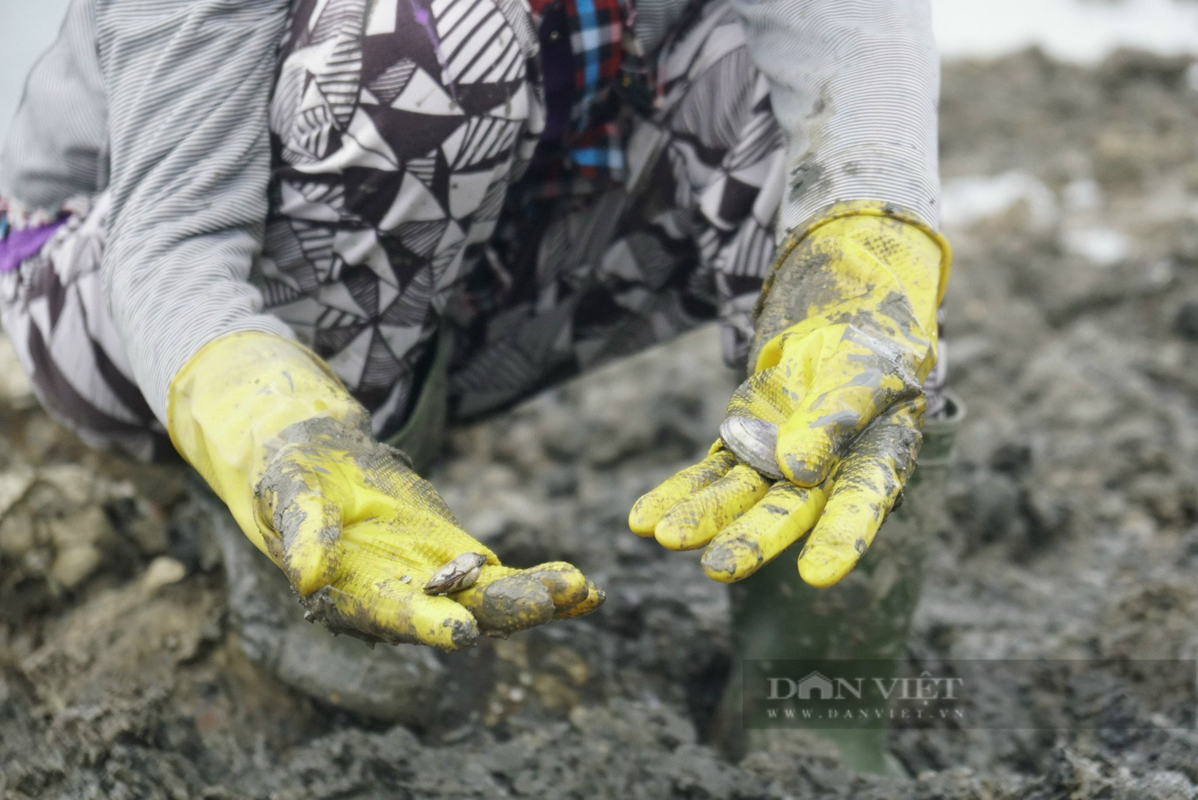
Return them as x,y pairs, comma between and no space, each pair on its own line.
1073,336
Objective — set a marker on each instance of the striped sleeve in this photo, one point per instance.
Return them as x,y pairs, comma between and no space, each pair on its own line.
855,86
188,85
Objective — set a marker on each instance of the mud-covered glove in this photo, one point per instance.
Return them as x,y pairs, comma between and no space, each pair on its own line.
357,532
824,434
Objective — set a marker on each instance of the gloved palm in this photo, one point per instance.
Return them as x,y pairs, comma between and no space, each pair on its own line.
357,532
823,435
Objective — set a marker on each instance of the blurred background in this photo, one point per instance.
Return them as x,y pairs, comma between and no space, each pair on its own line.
1079,30
1069,141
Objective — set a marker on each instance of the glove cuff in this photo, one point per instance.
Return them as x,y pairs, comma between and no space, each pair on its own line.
855,208
228,404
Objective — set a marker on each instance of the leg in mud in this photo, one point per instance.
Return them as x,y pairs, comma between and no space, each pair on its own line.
581,281
867,616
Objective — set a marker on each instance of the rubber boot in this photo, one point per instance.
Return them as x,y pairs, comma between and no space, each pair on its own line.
866,616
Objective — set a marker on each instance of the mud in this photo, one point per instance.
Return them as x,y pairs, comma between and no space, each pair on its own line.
1071,328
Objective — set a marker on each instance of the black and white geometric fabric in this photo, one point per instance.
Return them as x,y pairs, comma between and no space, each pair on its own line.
398,128
401,136
686,240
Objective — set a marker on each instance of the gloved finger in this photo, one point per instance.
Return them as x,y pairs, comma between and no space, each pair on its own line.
866,486
651,507
364,598
696,519
594,599
778,520
300,527
855,380
506,600
566,584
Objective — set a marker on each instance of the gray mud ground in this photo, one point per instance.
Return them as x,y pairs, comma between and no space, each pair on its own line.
1074,529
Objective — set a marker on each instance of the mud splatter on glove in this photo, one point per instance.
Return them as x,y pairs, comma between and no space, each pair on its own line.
824,434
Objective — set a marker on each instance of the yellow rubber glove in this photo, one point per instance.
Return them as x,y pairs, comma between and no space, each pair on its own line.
357,532
824,434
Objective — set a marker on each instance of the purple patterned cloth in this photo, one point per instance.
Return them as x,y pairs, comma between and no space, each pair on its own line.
20,245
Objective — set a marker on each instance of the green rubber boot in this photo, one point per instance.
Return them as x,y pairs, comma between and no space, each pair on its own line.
866,616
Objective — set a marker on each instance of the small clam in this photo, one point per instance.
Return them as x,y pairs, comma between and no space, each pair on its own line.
460,573
752,441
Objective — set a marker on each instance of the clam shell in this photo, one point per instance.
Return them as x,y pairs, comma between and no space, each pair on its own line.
752,441
460,573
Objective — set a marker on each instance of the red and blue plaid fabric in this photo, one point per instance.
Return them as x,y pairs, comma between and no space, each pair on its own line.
607,59
597,38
